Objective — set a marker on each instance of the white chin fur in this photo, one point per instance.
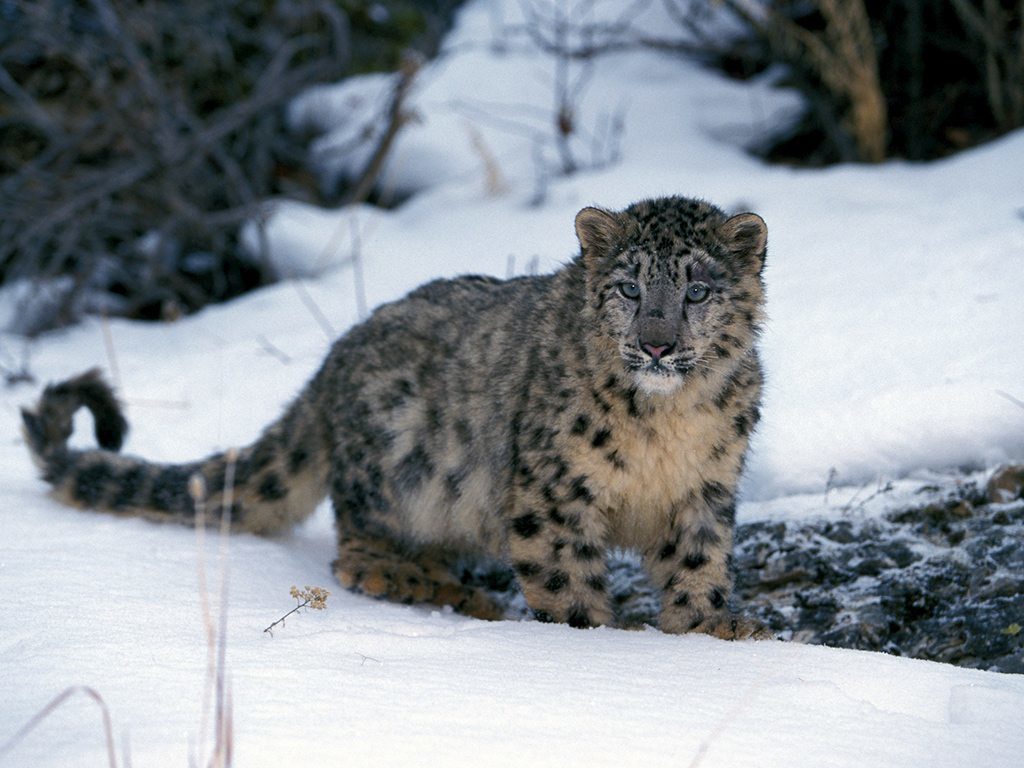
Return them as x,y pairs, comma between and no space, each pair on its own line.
651,383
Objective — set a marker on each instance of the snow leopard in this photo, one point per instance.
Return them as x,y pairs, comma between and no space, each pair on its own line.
542,421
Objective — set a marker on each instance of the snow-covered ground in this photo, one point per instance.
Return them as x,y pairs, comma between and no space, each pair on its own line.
896,320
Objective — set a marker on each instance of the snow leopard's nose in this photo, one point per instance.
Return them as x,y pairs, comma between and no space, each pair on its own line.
656,350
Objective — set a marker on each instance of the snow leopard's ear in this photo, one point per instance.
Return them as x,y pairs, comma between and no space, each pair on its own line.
746,236
599,231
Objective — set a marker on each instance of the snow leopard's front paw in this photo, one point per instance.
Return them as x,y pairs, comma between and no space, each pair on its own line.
736,626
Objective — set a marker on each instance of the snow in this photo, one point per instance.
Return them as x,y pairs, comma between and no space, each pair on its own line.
368,683
895,318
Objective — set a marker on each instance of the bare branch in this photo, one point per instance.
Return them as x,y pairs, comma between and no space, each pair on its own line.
397,117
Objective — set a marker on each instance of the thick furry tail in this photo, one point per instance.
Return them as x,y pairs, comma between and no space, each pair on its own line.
268,486
48,428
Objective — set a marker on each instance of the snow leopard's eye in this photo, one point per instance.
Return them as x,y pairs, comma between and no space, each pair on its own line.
629,289
697,292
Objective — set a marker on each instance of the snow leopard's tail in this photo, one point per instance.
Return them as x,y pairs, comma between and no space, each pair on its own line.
270,485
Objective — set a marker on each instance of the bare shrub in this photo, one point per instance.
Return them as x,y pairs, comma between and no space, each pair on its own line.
840,56
137,137
906,78
562,141
996,30
141,135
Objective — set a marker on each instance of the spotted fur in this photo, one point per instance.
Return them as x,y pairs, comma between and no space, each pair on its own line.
540,421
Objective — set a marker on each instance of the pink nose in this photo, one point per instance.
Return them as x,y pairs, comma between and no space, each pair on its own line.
655,351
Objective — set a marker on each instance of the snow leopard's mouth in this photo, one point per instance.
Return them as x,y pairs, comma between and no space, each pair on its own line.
659,376
666,366
658,367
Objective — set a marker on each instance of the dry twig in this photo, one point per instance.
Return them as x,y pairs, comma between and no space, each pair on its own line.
307,597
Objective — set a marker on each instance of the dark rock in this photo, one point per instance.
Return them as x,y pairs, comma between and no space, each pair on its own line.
944,581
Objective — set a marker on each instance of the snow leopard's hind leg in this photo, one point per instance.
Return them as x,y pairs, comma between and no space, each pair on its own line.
380,568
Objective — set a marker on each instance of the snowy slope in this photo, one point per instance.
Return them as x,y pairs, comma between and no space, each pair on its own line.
895,317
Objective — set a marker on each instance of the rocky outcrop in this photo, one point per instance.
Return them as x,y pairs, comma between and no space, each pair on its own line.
944,581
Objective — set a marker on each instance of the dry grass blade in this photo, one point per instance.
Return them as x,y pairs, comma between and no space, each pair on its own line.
215,682
54,705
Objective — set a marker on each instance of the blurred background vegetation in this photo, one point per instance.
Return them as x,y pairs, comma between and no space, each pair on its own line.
914,79
136,137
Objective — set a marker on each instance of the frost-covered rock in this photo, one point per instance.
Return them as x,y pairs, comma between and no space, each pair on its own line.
944,581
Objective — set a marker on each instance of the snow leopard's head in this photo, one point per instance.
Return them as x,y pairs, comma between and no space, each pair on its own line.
676,283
